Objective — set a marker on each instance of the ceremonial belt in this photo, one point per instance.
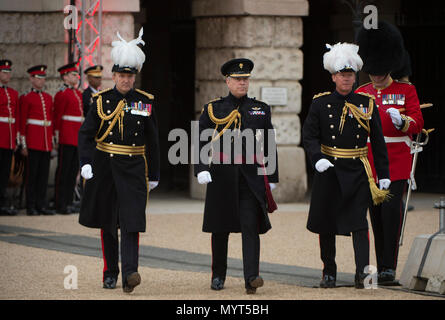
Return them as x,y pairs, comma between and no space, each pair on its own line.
378,196
73,118
43,123
405,139
7,119
121,149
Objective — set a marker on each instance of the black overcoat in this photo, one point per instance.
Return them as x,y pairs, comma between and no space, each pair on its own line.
341,195
221,212
118,192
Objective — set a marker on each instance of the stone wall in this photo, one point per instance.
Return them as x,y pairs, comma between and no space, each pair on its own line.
29,39
32,33
273,42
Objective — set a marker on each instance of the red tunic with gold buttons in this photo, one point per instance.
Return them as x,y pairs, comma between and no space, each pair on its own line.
36,120
68,114
397,95
9,102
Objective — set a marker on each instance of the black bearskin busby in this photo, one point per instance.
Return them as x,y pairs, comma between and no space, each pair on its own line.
405,70
381,49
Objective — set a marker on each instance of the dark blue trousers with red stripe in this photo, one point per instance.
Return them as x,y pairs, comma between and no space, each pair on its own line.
250,210
386,220
129,253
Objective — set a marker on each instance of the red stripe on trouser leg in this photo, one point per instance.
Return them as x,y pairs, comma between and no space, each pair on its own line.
103,254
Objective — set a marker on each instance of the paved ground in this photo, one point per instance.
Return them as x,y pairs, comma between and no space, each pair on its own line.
175,260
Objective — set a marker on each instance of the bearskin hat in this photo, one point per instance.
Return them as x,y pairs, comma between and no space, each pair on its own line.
381,49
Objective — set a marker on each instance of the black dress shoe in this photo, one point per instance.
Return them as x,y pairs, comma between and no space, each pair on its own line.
72,209
327,281
46,212
386,276
133,280
359,281
4,211
32,212
253,284
63,211
110,283
217,284
13,212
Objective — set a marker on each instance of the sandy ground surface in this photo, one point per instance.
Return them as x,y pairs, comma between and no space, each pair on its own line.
34,273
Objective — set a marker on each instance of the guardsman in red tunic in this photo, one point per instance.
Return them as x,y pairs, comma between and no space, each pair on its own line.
36,127
68,117
8,132
383,52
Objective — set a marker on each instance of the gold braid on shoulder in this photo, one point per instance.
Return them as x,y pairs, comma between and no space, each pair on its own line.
233,117
116,115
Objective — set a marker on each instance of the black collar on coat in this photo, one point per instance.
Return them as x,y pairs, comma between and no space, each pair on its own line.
343,97
121,96
237,102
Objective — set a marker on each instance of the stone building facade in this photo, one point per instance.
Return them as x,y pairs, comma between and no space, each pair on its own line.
270,32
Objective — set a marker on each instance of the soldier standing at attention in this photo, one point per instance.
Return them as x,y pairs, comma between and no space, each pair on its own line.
36,114
94,77
334,136
383,51
9,115
68,116
119,158
238,196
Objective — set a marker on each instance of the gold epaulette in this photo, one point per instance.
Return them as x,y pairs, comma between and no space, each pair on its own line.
321,94
403,81
102,91
366,95
365,84
216,99
150,96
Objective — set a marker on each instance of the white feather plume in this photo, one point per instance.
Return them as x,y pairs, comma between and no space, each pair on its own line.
340,56
128,54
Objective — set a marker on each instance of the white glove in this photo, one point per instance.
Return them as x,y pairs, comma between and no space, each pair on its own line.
395,116
86,172
152,185
323,165
272,186
204,177
384,184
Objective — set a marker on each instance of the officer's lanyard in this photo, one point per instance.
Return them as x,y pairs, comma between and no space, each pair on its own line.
117,115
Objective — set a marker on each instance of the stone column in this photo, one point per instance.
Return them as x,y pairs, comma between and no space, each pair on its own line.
269,33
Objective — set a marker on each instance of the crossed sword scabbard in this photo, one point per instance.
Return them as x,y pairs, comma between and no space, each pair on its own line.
416,148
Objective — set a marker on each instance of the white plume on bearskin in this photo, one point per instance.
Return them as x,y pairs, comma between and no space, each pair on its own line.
128,54
342,56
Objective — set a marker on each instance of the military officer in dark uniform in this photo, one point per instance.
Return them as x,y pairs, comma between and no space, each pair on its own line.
334,136
94,77
238,195
119,158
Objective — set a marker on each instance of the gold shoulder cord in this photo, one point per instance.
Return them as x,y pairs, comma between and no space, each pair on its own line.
234,116
358,115
117,114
